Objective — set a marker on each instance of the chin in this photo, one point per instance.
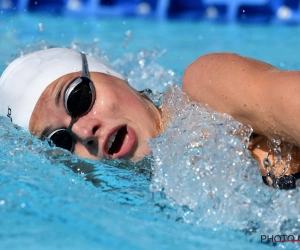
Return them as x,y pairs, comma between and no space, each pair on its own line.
142,152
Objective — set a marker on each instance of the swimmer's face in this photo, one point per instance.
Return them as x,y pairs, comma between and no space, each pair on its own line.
118,111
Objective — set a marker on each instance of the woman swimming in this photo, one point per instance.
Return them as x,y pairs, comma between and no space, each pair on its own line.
84,106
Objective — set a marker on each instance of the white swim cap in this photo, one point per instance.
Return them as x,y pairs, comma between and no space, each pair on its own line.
25,79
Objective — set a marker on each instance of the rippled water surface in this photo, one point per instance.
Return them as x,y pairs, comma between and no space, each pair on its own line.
199,190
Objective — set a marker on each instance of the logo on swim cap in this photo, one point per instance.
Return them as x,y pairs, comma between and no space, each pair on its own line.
9,113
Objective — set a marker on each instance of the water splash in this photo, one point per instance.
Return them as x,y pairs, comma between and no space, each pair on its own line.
207,175
143,71
202,165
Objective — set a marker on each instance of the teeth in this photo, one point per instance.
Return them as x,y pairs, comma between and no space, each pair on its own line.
111,139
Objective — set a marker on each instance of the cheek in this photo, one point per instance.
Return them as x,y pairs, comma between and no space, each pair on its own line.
52,115
135,108
82,151
129,99
116,100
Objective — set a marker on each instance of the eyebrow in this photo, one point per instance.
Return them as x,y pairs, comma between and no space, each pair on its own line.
58,94
62,86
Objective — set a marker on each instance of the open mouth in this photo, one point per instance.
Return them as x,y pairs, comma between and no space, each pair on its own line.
116,141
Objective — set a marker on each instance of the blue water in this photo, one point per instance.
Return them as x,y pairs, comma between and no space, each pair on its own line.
196,197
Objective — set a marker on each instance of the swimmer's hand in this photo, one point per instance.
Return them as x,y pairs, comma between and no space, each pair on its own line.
280,169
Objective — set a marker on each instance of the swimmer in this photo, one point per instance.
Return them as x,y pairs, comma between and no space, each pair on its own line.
84,106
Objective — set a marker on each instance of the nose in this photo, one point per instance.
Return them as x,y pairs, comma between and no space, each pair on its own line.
87,130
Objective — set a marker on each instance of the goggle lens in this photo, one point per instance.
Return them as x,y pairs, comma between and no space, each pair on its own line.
63,139
81,99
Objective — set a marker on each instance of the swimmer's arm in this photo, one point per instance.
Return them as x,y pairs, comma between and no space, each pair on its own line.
251,91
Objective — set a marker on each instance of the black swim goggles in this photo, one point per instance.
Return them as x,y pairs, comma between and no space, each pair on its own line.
79,98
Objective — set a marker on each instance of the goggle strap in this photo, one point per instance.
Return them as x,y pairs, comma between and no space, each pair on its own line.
69,128
85,67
